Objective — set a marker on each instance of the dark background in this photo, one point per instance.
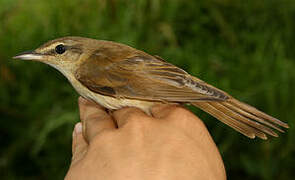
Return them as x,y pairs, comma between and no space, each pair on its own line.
243,47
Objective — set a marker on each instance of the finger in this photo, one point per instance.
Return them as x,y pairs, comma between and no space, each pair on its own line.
94,119
122,116
163,110
79,146
175,112
179,117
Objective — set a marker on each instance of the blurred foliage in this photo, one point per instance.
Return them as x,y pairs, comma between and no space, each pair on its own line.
243,47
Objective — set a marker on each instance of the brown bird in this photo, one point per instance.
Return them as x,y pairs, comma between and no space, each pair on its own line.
115,75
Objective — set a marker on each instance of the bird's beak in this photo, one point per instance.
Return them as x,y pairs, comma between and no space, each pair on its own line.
29,55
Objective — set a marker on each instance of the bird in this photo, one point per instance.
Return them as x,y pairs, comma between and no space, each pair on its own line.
116,75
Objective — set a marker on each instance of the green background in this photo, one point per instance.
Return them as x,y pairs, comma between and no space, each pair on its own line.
243,47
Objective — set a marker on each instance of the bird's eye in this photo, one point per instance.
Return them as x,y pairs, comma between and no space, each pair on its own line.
59,49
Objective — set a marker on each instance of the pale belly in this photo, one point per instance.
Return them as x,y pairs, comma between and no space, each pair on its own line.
111,102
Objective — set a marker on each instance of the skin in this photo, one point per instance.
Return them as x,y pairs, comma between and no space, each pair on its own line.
172,144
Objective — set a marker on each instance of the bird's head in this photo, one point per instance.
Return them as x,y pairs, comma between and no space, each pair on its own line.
63,53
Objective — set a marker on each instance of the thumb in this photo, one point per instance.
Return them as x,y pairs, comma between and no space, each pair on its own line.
79,146
94,119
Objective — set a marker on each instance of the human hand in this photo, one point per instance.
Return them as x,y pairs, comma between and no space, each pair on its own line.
173,144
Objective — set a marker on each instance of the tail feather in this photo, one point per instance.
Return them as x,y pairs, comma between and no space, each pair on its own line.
242,117
258,113
251,116
240,127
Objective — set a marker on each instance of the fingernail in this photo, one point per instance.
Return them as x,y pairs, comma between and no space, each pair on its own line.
78,128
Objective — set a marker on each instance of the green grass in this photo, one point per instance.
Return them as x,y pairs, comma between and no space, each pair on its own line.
245,48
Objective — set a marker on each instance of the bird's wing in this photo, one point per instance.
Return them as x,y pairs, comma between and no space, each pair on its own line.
151,78
144,77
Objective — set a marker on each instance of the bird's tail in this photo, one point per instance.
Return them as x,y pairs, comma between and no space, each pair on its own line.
243,118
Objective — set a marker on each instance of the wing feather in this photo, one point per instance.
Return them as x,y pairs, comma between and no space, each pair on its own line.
144,77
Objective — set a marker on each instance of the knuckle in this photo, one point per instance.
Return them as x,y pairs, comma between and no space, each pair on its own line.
102,138
137,130
199,123
132,117
179,112
137,124
185,118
